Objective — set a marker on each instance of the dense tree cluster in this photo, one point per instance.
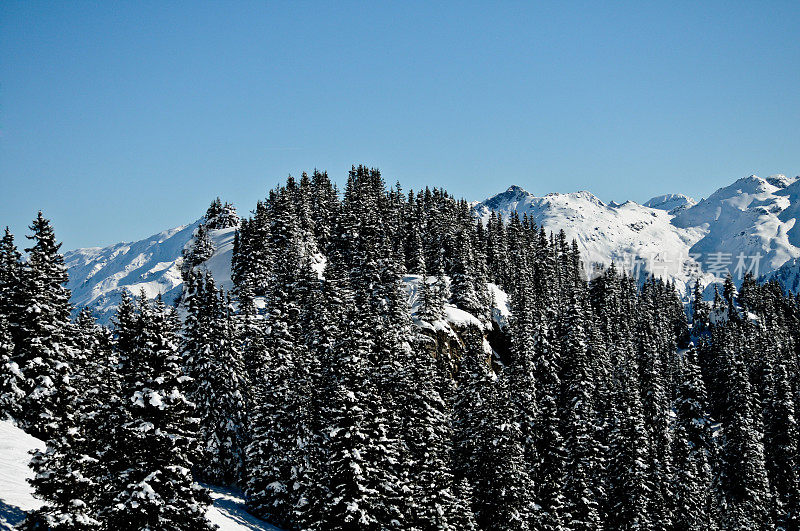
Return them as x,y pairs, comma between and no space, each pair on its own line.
330,388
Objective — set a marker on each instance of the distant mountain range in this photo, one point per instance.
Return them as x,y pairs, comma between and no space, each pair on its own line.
748,225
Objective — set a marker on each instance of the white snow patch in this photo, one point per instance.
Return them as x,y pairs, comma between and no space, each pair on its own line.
229,511
16,496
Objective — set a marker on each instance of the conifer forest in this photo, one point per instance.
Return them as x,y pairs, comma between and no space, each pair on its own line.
386,360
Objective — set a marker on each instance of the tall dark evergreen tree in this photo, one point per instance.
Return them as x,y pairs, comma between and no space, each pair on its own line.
152,485
473,424
215,365
628,452
281,425
781,450
693,450
743,482
579,419
43,353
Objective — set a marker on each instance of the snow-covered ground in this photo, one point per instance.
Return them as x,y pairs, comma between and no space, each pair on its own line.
15,493
229,513
16,496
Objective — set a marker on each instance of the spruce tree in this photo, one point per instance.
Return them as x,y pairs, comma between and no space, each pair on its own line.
693,450
508,489
743,482
70,472
781,450
10,279
281,423
465,292
198,250
12,381
43,353
11,378
579,419
216,368
151,481
628,452
427,432
472,422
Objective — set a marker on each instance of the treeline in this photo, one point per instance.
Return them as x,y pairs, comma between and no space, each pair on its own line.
315,388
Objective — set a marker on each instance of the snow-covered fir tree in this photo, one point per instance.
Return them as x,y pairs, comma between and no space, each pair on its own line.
43,351
217,387
151,484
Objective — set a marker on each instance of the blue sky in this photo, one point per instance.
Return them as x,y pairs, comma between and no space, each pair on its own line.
120,119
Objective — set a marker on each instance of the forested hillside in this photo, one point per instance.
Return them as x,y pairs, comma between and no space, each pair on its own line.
363,373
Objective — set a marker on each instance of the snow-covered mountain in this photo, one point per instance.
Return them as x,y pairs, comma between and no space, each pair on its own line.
98,276
637,238
672,203
750,224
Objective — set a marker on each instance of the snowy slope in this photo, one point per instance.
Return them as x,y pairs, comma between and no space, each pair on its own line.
750,224
230,514
16,496
97,276
633,236
672,203
750,216
15,493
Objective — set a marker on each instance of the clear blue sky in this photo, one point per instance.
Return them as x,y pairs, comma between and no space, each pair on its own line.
120,119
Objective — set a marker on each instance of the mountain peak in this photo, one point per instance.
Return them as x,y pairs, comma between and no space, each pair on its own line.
514,194
670,202
779,180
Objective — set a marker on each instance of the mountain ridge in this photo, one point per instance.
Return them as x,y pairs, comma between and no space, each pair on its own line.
670,235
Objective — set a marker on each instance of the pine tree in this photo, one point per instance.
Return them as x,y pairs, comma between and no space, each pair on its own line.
472,425
743,482
349,404
281,423
219,216
465,293
431,298
628,456
200,249
781,450
63,478
70,472
520,390
10,278
427,431
693,451
66,472
546,353
415,254
214,209
12,381
215,366
11,378
579,420
152,485
43,353
507,490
